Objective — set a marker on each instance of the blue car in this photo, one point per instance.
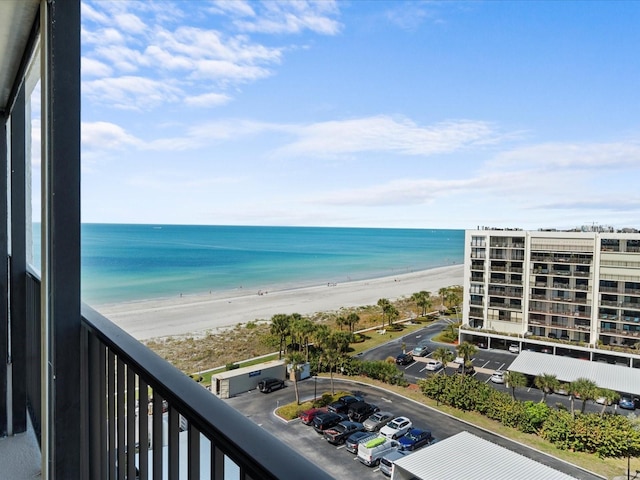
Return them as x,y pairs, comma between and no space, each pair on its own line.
415,438
627,402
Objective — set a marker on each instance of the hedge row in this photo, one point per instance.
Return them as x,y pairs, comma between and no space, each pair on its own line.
605,435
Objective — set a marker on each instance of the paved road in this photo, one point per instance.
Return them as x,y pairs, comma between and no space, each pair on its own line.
342,464
485,362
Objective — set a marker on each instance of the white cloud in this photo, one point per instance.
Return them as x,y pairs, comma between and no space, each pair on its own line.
232,7
388,134
106,136
291,17
130,23
131,92
95,68
572,155
207,100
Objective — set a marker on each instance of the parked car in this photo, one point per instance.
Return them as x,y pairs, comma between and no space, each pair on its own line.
420,350
396,427
414,439
360,411
339,433
514,348
404,359
372,451
269,384
458,360
378,420
324,421
628,402
307,416
342,404
386,462
466,369
434,365
497,377
351,443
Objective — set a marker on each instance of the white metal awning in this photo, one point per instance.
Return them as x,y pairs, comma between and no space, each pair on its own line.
482,460
567,369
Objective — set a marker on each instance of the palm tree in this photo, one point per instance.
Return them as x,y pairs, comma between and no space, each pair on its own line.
385,305
340,321
306,329
515,380
608,396
547,383
280,327
393,314
583,388
352,319
466,350
444,355
295,359
295,327
423,302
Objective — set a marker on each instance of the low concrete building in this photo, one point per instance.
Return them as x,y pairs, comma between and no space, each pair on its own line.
232,382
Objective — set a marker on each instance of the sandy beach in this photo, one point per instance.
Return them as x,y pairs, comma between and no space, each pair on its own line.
197,314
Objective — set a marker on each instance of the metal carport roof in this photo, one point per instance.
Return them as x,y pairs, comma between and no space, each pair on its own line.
567,369
478,459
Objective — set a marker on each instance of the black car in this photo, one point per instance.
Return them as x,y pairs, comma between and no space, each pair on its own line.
355,439
404,359
339,433
267,385
467,370
325,421
360,411
342,404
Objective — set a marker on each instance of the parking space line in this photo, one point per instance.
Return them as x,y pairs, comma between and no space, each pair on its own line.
486,363
500,367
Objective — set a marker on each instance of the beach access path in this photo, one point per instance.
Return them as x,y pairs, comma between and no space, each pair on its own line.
199,314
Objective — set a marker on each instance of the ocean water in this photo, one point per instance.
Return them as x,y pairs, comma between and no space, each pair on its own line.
122,263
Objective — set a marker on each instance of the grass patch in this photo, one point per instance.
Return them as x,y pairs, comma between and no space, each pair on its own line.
291,410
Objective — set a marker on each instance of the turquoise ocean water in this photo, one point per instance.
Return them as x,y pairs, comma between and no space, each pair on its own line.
122,263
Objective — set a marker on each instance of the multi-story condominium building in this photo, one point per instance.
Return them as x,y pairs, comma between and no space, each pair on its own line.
571,293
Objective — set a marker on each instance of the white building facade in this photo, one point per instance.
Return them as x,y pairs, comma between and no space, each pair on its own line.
571,293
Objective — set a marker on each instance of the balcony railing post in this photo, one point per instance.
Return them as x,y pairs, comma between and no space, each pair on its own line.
18,268
97,409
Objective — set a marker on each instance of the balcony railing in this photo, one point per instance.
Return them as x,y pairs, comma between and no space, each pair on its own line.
137,403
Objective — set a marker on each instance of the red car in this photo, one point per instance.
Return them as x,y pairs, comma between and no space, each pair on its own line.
308,415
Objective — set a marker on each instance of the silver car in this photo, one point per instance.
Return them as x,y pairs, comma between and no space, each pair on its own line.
378,420
421,350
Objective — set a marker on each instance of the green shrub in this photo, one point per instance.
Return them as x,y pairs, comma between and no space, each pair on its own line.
231,366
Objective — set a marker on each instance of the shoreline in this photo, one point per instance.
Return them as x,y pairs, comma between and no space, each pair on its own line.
199,313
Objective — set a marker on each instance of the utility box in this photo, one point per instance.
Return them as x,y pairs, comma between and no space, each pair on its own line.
230,383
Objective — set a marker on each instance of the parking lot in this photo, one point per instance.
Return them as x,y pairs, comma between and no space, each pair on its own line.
335,459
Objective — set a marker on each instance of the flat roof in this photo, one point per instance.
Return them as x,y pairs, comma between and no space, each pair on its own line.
246,370
482,460
567,369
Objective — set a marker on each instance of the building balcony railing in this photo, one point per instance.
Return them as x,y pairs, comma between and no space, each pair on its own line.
137,403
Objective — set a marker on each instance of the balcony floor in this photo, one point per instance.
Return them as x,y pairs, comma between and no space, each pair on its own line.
20,456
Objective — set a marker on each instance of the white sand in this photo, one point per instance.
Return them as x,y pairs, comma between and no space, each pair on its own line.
202,313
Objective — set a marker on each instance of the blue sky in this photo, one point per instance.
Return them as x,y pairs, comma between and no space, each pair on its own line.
374,114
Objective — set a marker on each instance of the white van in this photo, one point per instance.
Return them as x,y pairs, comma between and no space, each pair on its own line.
372,451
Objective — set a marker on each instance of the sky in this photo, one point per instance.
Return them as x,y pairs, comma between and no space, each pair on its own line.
420,114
